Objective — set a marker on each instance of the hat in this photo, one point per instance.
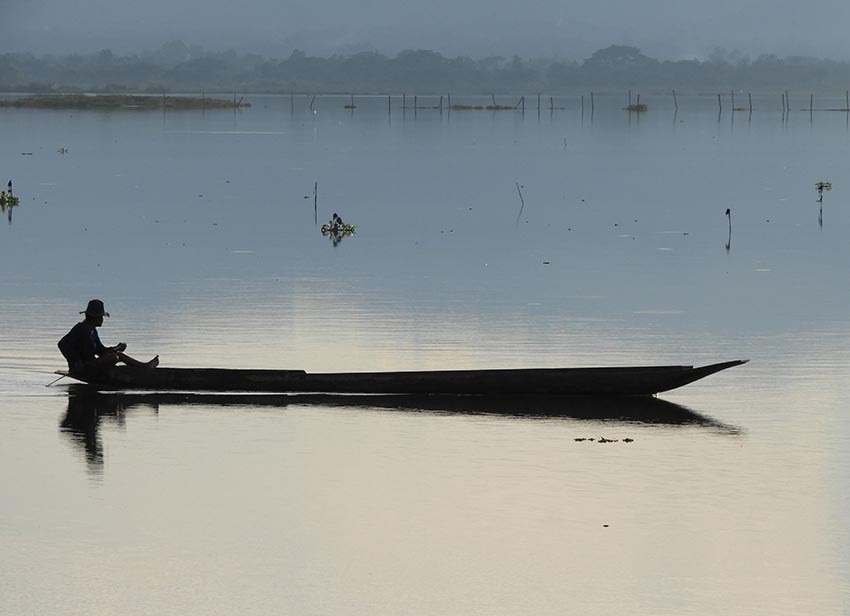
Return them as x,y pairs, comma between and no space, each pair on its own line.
95,309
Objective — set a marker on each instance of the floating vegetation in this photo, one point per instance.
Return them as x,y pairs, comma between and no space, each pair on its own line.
336,229
458,107
122,101
7,204
636,107
8,201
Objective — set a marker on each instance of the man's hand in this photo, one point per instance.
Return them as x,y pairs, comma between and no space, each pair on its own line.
120,347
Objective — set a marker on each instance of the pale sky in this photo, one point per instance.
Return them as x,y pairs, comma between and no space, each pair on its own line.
573,29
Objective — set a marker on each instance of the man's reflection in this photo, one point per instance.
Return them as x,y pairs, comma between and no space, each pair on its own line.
81,422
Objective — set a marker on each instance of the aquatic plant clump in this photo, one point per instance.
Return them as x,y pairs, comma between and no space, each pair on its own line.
122,101
343,230
337,229
636,107
482,107
821,187
9,201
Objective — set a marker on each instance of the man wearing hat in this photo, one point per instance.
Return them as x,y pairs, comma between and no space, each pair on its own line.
84,351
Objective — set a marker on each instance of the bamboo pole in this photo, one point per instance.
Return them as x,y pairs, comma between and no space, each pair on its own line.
675,101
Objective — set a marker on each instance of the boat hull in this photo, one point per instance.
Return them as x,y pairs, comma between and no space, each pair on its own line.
623,381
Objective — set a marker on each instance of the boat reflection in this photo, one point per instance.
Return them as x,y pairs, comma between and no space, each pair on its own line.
86,404
87,407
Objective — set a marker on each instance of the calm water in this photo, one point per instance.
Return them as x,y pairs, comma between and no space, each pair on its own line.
199,232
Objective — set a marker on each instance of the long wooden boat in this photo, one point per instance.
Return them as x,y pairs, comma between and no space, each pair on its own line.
624,381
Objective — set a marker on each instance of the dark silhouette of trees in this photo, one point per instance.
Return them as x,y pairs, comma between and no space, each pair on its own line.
178,66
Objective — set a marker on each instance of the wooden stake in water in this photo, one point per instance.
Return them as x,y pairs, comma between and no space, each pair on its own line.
316,203
675,101
719,104
750,97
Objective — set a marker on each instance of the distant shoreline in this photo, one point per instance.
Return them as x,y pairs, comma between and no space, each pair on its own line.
121,101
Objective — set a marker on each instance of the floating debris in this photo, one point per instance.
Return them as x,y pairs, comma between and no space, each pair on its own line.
602,439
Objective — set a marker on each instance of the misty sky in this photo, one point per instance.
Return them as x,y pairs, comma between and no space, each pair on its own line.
571,29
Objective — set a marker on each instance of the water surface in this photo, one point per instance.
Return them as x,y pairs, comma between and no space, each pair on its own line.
199,232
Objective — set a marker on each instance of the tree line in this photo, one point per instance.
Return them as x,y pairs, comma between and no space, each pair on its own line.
179,67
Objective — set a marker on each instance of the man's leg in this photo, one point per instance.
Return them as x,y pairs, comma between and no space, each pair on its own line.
135,362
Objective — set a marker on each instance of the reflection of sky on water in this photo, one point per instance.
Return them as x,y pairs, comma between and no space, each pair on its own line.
195,230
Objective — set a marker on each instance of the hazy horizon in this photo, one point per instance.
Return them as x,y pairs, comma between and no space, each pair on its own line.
665,29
